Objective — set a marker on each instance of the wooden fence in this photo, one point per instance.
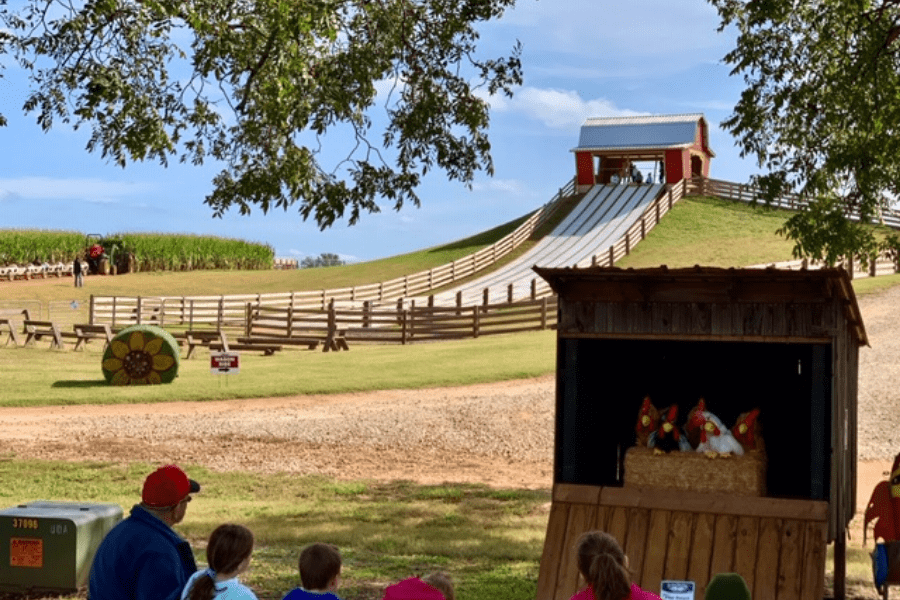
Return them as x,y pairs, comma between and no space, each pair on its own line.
700,186
402,325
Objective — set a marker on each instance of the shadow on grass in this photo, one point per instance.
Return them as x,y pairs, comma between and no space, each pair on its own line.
80,383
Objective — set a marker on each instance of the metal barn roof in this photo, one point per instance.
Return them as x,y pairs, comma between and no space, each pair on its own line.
640,132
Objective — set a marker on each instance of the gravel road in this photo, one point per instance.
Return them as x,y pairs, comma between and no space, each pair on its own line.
500,434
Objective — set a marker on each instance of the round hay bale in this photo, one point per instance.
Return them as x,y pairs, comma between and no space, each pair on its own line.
140,355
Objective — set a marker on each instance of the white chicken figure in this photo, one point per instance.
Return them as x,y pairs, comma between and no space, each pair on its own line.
715,438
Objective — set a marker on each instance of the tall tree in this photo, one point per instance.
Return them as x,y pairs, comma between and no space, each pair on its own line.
267,87
821,113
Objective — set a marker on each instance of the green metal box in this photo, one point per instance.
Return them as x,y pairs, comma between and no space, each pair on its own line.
49,546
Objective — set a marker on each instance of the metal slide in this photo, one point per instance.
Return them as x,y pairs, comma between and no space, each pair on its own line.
598,221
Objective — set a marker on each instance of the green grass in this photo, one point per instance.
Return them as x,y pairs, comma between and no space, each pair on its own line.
489,540
712,232
55,377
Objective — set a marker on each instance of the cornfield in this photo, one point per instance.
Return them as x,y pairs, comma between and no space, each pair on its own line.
167,252
25,246
151,251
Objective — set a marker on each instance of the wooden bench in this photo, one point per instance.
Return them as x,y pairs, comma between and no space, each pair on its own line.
310,342
200,337
10,325
224,346
35,330
85,332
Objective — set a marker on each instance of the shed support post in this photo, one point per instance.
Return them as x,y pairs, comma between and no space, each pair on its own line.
840,566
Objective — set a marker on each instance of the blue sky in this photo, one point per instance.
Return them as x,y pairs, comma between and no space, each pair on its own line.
581,58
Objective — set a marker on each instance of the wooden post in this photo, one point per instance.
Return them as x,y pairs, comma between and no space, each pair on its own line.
612,255
411,316
543,313
840,566
431,301
643,228
476,325
534,288
290,320
509,293
402,316
669,194
191,315
248,315
458,303
485,294
330,344
140,309
627,244
91,311
367,309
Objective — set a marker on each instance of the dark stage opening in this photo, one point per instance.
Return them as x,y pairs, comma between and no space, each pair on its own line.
603,383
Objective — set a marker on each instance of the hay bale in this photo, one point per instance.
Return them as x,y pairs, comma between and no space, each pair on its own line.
696,472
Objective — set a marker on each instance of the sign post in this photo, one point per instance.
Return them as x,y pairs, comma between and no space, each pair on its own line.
224,363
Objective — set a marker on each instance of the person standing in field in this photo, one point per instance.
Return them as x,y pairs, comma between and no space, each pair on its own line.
142,558
76,271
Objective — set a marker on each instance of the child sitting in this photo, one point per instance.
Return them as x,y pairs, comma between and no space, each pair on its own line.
228,555
436,586
320,572
604,567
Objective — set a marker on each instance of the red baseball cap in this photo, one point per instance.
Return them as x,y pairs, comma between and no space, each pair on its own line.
167,486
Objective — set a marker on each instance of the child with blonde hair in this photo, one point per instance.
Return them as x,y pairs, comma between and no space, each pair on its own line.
604,567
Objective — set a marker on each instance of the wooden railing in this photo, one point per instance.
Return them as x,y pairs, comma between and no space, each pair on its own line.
740,192
402,325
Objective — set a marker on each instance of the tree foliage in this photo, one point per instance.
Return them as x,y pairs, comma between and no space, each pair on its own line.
268,88
821,113
326,259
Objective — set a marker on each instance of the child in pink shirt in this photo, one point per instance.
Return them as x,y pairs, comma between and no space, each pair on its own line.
604,567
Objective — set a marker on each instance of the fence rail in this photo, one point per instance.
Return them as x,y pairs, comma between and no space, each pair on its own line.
402,325
740,192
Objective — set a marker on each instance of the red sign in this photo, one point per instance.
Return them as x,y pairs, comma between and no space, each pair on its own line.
224,362
26,552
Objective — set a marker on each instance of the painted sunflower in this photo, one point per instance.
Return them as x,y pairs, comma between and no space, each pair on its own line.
141,355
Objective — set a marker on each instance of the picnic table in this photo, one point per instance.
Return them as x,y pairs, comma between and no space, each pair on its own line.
35,330
85,332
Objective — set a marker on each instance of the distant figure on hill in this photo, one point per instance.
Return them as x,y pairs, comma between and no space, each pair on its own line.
76,271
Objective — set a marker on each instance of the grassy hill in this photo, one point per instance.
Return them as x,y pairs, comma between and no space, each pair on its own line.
704,231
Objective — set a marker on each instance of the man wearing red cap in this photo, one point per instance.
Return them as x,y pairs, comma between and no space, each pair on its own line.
142,557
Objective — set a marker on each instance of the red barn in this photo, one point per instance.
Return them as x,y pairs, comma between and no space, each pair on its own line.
607,147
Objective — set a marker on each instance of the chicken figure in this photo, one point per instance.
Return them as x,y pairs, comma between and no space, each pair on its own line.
715,438
748,431
648,419
696,419
884,507
667,436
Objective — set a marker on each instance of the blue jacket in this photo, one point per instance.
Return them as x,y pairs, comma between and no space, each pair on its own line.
141,558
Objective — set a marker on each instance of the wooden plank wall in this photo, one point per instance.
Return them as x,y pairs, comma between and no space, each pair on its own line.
777,545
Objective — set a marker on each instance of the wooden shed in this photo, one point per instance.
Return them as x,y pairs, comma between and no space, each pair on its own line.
785,342
608,145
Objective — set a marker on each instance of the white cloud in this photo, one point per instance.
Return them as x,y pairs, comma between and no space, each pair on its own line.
558,109
506,186
88,189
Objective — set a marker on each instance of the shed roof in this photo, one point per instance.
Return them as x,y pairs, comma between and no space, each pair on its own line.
709,284
641,133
